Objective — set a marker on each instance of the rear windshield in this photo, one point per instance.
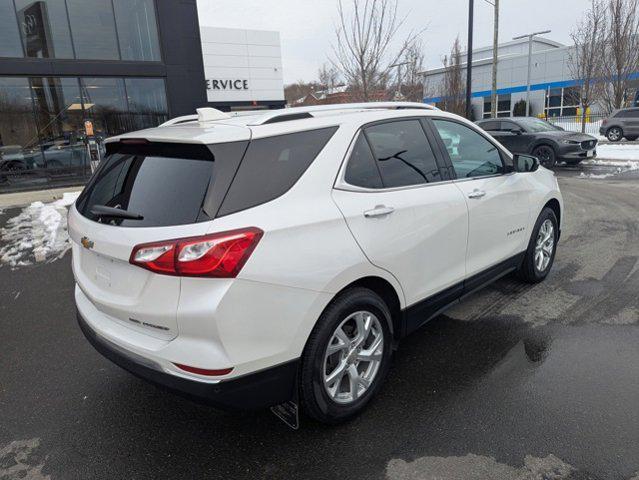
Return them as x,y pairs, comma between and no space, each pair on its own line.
175,184
165,184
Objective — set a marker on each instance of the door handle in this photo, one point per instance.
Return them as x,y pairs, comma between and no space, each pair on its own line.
379,211
476,194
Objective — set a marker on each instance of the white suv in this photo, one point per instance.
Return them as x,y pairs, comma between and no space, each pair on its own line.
279,257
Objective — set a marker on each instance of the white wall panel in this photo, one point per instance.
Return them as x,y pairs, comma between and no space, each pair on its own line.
250,59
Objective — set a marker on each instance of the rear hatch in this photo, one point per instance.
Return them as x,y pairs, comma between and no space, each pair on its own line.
169,190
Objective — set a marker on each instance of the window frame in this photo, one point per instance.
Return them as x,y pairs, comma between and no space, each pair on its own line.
505,157
440,161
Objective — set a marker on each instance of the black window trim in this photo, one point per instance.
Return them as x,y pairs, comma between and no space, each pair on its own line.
444,170
508,169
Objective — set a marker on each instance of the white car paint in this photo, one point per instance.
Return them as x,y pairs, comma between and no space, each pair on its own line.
316,242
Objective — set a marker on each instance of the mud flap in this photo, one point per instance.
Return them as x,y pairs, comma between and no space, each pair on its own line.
289,411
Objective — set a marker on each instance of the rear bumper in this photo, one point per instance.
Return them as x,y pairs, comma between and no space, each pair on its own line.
254,391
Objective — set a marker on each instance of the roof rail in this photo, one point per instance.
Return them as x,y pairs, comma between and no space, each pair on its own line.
176,120
294,113
204,114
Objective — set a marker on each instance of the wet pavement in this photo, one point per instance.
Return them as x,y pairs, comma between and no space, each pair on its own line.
516,382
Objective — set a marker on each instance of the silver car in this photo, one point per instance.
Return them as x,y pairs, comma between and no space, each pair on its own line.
622,123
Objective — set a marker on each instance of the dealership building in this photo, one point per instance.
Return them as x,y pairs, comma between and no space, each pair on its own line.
553,91
76,71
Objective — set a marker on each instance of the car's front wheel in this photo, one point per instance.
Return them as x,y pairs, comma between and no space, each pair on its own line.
614,134
540,253
346,357
631,138
546,155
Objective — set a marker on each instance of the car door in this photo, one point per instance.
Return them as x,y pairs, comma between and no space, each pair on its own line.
514,137
494,128
403,209
631,122
497,198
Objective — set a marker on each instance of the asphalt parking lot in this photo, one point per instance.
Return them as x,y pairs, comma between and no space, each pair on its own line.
517,382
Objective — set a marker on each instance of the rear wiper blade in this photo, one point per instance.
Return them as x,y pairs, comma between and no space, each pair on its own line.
112,212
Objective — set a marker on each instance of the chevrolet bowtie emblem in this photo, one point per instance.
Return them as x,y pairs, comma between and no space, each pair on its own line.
86,243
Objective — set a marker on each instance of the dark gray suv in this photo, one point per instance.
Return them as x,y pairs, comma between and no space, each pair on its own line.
622,123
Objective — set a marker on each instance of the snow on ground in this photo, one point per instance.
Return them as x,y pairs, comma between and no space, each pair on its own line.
622,158
38,233
627,151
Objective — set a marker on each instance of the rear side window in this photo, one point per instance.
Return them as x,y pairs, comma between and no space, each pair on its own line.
404,156
271,166
361,170
490,126
164,183
627,114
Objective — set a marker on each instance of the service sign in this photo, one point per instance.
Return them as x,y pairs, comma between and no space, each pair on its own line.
242,65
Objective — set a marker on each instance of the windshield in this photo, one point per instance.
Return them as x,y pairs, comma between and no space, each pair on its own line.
536,125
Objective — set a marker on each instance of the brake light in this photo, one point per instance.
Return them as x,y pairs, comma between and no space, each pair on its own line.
604,121
220,255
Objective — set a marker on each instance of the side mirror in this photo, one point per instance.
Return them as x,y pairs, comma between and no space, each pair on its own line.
517,131
525,163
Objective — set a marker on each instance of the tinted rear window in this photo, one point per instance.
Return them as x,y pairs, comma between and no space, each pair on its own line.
627,114
271,166
166,184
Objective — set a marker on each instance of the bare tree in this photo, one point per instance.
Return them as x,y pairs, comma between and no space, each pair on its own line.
586,59
621,51
411,80
362,50
328,76
453,90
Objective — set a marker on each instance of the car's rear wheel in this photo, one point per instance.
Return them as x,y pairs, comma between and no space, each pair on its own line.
540,253
631,138
614,134
347,356
546,155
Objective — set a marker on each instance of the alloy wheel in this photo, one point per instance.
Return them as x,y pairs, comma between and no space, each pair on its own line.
546,156
544,246
614,134
353,357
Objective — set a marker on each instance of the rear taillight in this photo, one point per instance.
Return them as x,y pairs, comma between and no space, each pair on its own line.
220,255
604,121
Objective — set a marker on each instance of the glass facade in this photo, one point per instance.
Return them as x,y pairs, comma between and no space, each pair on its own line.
562,102
42,123
503,105
79,29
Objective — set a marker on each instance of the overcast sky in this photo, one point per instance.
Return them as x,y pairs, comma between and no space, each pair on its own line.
307,26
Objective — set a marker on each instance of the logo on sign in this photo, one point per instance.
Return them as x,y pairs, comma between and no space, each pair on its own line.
227,84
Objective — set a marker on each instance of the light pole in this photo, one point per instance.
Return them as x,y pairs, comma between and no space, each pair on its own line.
530,44
469,59
493,96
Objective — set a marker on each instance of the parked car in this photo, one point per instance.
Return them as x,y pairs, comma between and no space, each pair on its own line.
551,144
622,123
280,257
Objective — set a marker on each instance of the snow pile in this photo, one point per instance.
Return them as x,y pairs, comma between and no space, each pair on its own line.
621,167
619,151
38,233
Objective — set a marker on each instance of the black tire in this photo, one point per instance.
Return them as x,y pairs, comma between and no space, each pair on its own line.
546,155
614,134
314,398
632,138
528,271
